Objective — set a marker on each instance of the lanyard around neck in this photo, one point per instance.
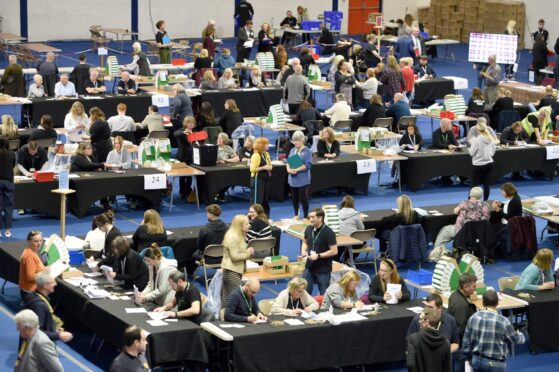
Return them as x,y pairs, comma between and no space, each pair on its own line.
249,303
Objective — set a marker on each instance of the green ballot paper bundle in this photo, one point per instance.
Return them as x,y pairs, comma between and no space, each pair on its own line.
295,161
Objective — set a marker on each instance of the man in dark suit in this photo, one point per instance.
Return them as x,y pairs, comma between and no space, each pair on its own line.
244,34
326,39
541,31
80,74
423,68
417,45
404,47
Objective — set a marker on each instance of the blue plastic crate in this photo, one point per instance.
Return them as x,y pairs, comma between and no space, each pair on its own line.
76,258
310,25
333,20
421,277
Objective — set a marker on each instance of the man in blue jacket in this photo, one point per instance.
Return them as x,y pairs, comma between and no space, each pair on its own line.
39,303
242,306
398,109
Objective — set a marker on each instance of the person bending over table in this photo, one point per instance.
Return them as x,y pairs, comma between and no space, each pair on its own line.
341,294
76,123
185,154
538,125
182,106
538,276
93,85
242,306
105,223
245,152
328,147
140,63
31,158
387,274
30,264
411,140
514,135
158,291
126,85
226,81
235,253
132,357
39,303
260,173
130,268
100,134
446,324
299,179
231,117
37,89
319,247
44,130
405,215
474,132
473,209
293,300
187,300
259,224
482,151
163,42
151,231
84,161
119,157
121,122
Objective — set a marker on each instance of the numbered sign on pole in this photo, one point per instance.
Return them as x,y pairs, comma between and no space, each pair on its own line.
155,181
366,166
552,152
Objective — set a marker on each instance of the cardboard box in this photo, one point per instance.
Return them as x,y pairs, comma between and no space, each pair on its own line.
276,264
251,267
72,274
295,268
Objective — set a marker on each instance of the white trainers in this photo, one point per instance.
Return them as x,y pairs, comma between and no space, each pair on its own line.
8,233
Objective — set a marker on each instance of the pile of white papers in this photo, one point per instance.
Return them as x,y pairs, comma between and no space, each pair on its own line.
94,292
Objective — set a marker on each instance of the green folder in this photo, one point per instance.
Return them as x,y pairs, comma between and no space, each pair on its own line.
295,161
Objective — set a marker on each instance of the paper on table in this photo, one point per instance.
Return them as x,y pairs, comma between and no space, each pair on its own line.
307,314
293,322
106,269
114,297
157,315
156,323
231,325
93,275
393,289
91,264
135,310
260,321
124,297
416,309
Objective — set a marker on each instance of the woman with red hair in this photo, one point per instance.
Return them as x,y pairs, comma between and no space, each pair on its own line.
260,173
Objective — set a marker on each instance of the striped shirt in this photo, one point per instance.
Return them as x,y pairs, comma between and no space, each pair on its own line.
258,230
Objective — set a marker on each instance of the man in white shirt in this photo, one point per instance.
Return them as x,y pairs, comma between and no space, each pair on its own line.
121,122
418,44
64,87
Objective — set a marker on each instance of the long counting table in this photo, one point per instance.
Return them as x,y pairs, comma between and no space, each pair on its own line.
425,165
250,101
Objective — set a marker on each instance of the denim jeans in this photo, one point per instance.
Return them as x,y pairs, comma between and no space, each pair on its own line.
321,279
480,364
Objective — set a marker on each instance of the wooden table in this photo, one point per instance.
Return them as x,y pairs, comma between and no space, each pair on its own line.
550,218
380,158
433,116
264,276
171,93
186,171
40,48
522,92
117,32
285,128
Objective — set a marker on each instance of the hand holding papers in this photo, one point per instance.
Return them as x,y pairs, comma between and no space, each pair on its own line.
393,291
249,43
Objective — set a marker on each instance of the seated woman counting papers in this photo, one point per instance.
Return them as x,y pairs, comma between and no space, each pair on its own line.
130,268
295,299
341,294
388,286
158,291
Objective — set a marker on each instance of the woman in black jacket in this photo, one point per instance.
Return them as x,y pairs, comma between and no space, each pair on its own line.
375,111
206,118
306,60
504,102
130,267
476,104
231,118
7,164
100,133
203,60
328,147
411,140
150,231
184,153
387,274
503,212
404,215
84,161
104,222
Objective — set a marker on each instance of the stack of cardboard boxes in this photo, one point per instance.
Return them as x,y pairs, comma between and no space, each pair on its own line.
456,19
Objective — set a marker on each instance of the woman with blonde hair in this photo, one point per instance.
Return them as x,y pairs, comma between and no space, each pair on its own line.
295,299
265,39
76,123
538,276
209,81
341,294
387,274
226,81
203,60
510,30
235,254
255,79
158,291
538,125
151,231
391,79
328,147
482,150
404,216
9,128
369,86
119,157
260,174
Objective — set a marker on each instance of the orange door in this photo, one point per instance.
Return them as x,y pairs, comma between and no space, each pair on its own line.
359,13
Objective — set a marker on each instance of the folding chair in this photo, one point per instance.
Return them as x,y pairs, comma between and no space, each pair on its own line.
364,236
211,259
263,247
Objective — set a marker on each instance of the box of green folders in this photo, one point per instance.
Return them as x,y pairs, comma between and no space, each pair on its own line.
276,264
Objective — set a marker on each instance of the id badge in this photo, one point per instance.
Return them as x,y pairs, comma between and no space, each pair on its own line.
313,252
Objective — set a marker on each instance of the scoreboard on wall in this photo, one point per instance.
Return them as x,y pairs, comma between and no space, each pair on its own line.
483,45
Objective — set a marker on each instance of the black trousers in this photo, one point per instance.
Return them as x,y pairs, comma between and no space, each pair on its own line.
293,108
300,195
259,193
480,176
243,54
185,186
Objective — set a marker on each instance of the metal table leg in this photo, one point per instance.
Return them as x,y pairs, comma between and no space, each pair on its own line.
195,179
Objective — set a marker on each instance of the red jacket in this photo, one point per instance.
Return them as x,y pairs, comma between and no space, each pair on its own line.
408,78
522,232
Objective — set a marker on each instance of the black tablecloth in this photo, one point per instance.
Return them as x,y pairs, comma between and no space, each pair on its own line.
543,322
136,107
432,89
340,172
254,102
423,166
379,339
90,187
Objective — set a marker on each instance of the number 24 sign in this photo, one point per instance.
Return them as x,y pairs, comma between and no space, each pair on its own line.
155,181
